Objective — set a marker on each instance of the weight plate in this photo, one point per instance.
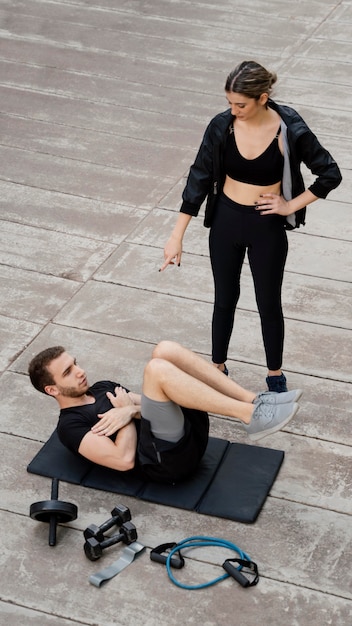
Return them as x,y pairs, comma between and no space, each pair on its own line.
63,511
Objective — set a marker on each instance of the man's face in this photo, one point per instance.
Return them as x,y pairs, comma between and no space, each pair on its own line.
69,378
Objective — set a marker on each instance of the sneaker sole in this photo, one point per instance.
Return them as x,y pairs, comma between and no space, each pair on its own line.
274,429
298,395
299,392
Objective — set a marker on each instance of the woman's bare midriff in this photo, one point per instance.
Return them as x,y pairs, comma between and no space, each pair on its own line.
243,193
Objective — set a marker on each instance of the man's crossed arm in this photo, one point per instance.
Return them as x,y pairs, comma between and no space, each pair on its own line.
97,446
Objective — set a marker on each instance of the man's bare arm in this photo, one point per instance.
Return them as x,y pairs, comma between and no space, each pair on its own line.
135,397
119,454
121,397
115,418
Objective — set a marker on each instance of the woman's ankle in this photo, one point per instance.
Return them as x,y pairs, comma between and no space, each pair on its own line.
220,366
274,372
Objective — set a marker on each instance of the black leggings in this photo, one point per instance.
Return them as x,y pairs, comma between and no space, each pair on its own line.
235,229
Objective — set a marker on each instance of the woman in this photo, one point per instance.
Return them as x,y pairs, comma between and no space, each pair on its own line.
248,168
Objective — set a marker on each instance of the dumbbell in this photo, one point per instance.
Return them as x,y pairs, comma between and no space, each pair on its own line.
119,515
53,511
94,549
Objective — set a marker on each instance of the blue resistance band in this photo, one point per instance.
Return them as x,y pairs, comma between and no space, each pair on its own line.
200,541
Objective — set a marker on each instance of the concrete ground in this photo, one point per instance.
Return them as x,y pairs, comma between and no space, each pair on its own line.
103,105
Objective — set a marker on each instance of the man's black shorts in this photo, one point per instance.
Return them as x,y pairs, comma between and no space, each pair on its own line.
166,462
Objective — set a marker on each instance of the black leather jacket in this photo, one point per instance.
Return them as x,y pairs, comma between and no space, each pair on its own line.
206,176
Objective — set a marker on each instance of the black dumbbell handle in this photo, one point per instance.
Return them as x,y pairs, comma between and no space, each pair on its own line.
110,541
53,519
94,549
114,520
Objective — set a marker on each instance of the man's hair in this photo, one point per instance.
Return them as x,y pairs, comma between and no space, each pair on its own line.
38,367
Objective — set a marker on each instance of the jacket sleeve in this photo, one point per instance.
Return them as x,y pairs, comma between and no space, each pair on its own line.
200,177
321,164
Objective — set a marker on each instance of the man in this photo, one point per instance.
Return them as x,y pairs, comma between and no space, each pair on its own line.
163,432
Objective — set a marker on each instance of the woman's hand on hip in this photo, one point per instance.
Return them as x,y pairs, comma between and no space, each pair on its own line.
271,204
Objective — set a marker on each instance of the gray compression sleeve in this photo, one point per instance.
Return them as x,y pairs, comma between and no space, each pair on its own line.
166,419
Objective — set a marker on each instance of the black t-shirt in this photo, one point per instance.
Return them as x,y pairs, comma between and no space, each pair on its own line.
156,459
75,422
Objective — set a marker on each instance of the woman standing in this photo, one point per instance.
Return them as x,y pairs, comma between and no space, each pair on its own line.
248,168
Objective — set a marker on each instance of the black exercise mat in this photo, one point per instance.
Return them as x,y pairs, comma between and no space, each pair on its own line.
232,481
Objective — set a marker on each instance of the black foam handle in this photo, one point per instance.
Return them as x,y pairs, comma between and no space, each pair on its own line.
162,558
235,573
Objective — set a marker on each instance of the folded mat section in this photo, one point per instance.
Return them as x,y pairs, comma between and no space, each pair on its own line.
189,493
232,481
242,482
56,461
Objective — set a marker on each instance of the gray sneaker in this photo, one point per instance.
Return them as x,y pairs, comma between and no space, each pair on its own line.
271,397
268,418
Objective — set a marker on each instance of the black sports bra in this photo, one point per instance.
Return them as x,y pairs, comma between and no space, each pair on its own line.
266,169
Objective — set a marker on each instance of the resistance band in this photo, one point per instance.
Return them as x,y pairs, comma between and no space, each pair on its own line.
128,555
243,562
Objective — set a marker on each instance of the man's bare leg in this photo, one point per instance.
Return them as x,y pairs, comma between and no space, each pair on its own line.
163,381
199,368
179,375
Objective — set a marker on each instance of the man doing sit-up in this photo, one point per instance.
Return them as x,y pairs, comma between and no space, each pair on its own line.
164,431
